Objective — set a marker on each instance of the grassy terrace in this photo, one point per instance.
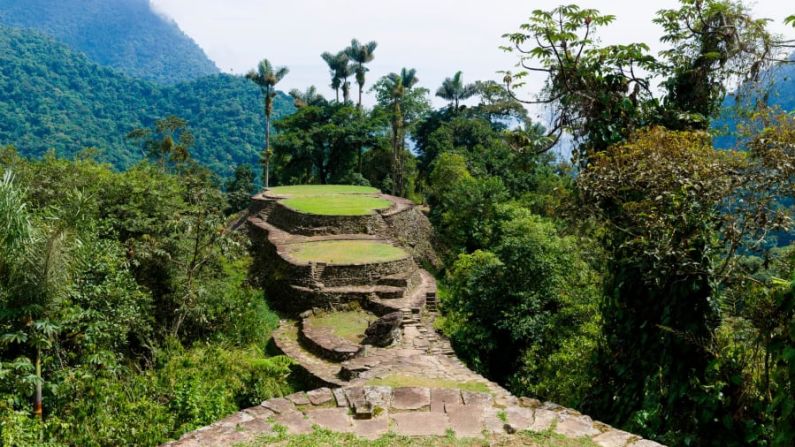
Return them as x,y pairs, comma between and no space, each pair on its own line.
348,325
345,252
337,204
401,380
332,200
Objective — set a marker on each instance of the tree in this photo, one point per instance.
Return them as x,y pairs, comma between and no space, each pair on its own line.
309,97
266,77
35,263
318,144
168,144
240,188
361,54
601,95
340,69
454,90
404,103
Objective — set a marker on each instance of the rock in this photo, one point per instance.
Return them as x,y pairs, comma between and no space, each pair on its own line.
294,421
645,443
339,397
299,398
612,438
371,428
543,419
334,419
384,331
576,427
420,424
529,403
278,405
319,396
411,398
476,398
465,420
440,397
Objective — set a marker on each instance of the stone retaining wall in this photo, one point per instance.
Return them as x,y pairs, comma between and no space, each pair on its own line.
295,222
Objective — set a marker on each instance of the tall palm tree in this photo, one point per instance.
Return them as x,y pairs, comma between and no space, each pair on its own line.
399,85
454,90
339,69
361,54
266,77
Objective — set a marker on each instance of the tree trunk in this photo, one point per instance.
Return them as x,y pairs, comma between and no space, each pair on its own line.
268,106
37,402
361,86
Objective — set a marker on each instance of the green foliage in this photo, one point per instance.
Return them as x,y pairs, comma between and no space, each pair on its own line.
323,143
64,102
525,312
126,35
127,292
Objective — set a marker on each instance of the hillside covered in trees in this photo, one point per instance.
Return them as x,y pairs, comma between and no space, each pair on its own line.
641,282
125,34
52,97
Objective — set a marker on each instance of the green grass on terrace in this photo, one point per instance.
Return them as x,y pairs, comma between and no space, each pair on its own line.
320,190
337,204
402,380
348,325
345,252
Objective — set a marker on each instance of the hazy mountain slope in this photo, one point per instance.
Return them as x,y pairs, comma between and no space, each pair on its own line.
54,98
124,34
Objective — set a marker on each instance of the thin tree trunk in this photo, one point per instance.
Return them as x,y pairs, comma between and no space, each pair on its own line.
267,136
37,403
360,98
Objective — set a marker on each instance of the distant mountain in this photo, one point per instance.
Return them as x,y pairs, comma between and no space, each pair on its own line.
54,98
778,88
125,34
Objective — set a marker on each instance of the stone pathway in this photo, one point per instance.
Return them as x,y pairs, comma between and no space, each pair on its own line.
371,412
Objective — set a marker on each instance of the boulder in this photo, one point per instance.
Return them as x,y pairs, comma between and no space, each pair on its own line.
384,331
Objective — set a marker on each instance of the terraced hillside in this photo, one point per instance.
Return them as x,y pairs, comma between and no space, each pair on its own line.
346,273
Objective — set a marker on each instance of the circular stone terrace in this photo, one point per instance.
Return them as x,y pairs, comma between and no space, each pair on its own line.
331,200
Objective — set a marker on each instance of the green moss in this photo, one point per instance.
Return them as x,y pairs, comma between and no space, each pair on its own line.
345,252
320,190
337,204
400,380
347,325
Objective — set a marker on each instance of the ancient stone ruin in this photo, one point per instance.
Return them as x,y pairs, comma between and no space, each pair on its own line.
360,311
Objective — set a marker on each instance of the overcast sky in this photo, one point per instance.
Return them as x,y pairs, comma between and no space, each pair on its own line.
437,37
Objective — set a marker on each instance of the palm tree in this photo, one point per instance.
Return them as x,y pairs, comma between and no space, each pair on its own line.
309,97
339,69
35,266
361,54
266,77
454,90
398,86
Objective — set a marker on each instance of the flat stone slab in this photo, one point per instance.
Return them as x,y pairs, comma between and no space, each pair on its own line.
334,419
319,396
465,420
298,398
543,419
475,398
279,405
442,396
420,424
576,427
410,398
295,422
519,418
371,428
613,438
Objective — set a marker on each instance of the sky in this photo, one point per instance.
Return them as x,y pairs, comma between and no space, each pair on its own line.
437,37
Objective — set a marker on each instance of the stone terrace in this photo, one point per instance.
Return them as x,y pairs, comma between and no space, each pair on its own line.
403,349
